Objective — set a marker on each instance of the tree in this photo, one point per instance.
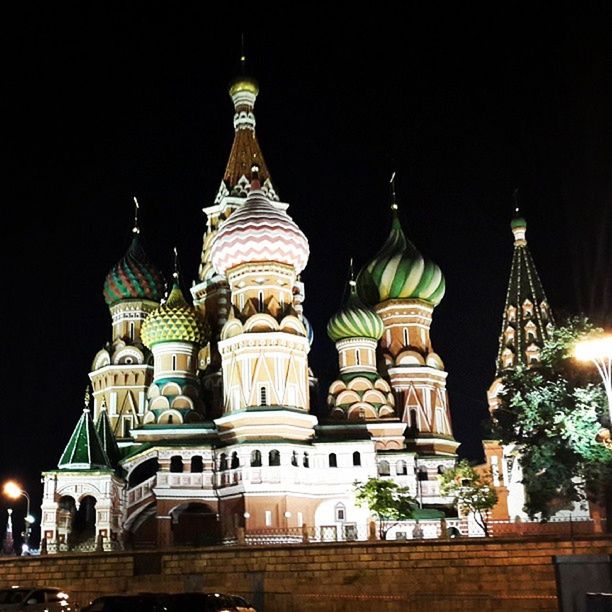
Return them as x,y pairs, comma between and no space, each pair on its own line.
387,500
472,491
552,413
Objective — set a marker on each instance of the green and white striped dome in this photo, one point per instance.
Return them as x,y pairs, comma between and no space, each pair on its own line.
355,320
399,271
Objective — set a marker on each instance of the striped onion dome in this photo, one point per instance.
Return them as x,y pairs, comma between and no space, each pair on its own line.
354,320
258,232
309,330
174,321
399,271
134,277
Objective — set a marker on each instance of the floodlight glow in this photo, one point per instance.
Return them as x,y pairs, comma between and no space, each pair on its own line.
12,489
598,348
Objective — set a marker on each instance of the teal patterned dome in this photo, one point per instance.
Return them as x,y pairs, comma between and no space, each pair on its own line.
134,277
173,321
399,271
355,320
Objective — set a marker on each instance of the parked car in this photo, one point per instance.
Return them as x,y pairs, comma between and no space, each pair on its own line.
177,602
34,600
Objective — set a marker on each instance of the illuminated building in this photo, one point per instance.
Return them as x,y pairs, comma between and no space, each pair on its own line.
202,416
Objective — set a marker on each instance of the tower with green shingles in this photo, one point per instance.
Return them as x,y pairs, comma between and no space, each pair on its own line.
403,287
121,372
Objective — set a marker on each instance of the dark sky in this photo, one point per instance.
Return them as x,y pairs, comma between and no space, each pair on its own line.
130,100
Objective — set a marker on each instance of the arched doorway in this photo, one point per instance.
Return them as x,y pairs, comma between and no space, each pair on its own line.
84,522
195,524
141,531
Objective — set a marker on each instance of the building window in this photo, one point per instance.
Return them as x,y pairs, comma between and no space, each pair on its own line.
384,468
441,469
274,458
268,518
414,421
356,458
300,519
255,459
406,343
131,330
294,459
197,465
306,461
357,358
261,301
422,473
235,460
176,464
401,468
173,362
223,462
340,512
263,396
333,461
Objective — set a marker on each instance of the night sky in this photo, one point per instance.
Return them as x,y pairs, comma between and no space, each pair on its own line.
131,100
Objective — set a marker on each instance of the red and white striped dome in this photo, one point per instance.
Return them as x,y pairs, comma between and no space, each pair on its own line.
258,231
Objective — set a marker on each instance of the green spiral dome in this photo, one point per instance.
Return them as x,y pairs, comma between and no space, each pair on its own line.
518,222
134,277
173,321
355,320
399,271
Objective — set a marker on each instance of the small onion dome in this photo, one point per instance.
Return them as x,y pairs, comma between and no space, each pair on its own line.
134,277
173,321
259,232
243,83
399,271
355,320
518,222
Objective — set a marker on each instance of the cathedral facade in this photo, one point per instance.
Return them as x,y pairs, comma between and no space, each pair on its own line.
201,417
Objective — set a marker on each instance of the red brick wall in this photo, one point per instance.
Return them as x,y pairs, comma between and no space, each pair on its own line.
457,575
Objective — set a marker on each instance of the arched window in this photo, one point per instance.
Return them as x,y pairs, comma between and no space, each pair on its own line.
255,459
173,362
356,458
406,342
414,422
401,468
422,473
273,457
235,460
442,469
333,460
384,468
294,459
223,462
340,512
261,301
357,358
176,464
197,465
306,460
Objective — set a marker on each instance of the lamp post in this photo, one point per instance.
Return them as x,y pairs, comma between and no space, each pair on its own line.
14,491
599,351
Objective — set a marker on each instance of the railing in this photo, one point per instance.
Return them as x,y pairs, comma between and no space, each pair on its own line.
140,492
192,480
568,526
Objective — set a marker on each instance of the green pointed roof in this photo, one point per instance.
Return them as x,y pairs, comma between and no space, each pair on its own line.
173,321
84,450
354,320
399,271
528,319
107,438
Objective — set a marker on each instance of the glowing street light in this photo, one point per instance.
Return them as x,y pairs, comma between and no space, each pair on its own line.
599,351
14,491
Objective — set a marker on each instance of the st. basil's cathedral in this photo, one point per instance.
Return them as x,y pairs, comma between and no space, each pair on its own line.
201,417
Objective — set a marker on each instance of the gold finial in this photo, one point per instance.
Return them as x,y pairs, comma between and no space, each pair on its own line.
515,198
136,229
352,282
242,54
175,274
393,200
87,399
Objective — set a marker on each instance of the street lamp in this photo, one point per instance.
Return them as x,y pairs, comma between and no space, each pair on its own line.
598,350
14,491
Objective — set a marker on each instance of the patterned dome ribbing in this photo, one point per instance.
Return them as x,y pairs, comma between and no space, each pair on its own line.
134,277
399,271
173,321
355,320
257,232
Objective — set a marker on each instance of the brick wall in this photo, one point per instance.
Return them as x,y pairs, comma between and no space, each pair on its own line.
456,575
